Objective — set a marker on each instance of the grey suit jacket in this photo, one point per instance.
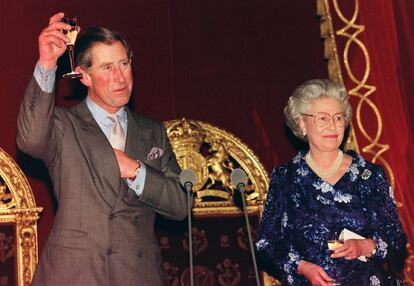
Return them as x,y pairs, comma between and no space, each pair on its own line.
103,234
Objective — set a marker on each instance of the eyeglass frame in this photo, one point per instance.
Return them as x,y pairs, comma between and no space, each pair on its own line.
331,118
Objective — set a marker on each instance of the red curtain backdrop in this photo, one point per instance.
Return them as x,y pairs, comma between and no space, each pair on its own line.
389,41
231,63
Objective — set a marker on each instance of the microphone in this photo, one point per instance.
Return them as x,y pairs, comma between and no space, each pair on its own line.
187,180
239,179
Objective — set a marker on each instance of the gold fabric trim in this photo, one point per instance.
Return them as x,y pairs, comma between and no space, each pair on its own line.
361,89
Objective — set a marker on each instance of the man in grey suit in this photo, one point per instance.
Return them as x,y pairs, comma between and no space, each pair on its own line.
108,195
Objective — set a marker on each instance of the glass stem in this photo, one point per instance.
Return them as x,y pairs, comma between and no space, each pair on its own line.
71,55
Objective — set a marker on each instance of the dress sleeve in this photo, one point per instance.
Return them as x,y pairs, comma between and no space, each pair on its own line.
275,252
388,232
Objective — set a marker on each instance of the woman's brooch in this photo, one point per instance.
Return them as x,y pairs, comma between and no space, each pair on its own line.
366,174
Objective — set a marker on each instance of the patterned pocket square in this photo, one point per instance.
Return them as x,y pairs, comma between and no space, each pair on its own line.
155,153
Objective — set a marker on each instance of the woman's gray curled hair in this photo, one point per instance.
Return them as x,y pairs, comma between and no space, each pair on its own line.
303,95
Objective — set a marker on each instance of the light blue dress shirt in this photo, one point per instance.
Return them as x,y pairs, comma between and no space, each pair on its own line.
46,80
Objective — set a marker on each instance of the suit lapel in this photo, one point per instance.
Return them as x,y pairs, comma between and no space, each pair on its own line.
138,138
99,155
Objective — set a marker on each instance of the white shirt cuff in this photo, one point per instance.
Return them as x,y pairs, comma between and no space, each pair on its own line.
137,185
45,78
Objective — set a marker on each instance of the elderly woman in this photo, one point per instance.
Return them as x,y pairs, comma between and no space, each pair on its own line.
321,192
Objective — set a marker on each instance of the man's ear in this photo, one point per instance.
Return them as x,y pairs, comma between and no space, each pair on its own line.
85,79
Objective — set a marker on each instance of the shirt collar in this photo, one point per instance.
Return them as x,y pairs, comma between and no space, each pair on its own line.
101,114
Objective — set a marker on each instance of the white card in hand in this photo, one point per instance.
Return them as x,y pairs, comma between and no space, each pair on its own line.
347,234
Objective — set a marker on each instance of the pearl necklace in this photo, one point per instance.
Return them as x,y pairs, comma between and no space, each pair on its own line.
325,173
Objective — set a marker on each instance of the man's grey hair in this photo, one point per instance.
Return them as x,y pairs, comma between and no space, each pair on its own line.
92,36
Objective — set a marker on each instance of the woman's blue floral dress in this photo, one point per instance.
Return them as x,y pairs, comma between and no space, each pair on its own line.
302,211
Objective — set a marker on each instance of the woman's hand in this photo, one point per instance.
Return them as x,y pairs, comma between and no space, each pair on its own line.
354,248
314,273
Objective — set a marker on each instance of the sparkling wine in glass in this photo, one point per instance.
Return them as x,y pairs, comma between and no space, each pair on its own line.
334,244
72,34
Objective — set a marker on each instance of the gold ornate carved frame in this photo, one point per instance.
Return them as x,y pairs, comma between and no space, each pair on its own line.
213,153
18,211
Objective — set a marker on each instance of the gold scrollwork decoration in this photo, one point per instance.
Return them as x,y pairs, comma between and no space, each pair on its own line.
213,153
361,89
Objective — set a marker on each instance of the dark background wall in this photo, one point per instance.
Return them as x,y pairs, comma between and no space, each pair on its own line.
230,63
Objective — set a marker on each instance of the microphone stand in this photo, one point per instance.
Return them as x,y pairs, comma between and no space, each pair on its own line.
188,188
241,187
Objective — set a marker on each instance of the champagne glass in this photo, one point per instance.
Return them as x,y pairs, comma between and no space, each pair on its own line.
334,244
70,46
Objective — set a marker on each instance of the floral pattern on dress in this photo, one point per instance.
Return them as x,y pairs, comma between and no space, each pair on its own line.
302,211
374,281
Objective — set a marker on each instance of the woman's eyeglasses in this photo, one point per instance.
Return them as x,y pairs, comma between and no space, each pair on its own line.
322,119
